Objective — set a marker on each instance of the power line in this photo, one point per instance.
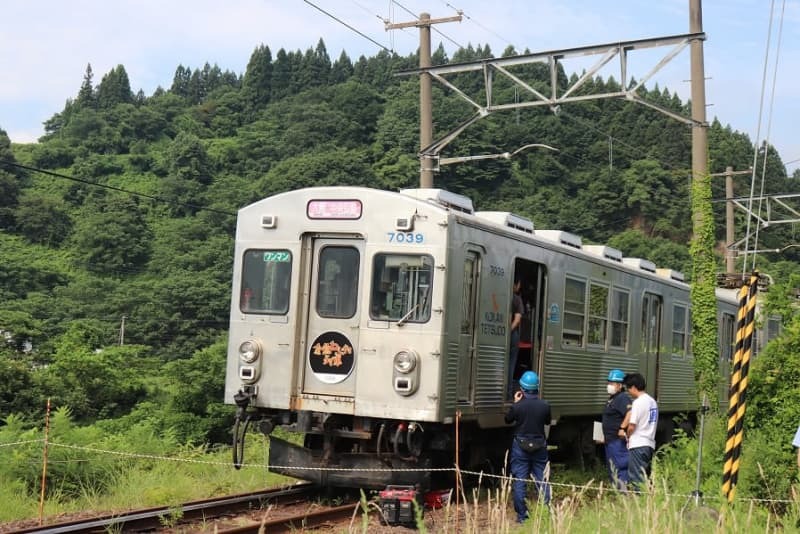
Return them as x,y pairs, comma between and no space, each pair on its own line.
433,28
769,124
757,143
112,188
343,23
484,28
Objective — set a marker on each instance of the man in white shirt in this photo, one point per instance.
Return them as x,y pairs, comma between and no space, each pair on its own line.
796,443
641,430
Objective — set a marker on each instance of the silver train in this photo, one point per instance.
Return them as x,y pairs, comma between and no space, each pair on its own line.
369,322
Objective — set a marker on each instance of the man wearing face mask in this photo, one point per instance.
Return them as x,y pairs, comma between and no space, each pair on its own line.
616,416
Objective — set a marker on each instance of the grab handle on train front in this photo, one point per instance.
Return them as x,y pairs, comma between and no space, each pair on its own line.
242,422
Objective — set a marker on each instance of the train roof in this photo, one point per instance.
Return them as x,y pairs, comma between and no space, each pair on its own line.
511,224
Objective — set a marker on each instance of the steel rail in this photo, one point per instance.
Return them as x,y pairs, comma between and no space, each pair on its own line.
152,518
297,522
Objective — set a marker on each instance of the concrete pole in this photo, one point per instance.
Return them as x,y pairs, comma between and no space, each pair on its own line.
730,254
425,101
699,130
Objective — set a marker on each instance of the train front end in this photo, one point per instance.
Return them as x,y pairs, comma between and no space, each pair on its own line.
336,333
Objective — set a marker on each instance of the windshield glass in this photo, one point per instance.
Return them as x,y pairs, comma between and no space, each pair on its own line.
401,287
266,281
337,286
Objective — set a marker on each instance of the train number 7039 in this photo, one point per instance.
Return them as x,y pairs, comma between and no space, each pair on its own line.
405,237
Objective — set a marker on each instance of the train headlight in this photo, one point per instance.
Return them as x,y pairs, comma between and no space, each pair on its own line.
405,361
250,351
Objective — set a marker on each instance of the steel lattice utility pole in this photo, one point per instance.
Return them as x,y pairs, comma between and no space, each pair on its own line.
425,99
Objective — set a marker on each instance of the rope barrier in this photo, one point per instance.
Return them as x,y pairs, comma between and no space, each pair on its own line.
600,486
25,442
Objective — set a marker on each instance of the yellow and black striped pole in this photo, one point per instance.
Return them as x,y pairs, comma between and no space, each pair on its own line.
738,392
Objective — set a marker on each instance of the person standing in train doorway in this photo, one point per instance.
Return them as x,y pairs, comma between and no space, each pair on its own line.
517,309
616,416
528,456
641,430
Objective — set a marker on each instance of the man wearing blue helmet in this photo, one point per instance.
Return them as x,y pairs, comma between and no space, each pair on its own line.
530,415
616,416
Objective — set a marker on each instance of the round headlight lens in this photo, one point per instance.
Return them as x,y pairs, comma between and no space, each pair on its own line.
404,362
249,351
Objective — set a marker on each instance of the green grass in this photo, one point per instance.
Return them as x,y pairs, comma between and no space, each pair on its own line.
146,482
602,510
81,480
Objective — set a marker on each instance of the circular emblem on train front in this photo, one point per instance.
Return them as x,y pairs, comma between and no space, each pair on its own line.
331,357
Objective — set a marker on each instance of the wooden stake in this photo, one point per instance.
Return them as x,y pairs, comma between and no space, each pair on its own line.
458,467
44,460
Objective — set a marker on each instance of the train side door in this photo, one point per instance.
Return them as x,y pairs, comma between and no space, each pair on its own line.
467,332
652,306
331,347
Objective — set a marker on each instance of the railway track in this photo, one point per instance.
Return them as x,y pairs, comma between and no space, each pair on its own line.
150,519
319,518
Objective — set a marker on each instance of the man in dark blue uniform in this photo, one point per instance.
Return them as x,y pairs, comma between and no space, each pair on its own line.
615,424
530,415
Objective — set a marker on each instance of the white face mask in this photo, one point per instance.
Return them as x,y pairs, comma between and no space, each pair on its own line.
611,388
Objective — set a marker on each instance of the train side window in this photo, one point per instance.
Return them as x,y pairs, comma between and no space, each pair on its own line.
266,277
598,315
620,316
574,312
401,287
679,330
773,328
337,286
727,338
689,332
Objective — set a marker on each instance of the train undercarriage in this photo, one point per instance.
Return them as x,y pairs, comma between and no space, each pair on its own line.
347,451
335,450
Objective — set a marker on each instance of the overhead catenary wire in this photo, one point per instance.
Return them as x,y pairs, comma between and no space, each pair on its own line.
343,23
769,127
638,151
111,187
758,140
472,20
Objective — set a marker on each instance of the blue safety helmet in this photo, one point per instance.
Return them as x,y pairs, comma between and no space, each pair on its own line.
616,375
529,381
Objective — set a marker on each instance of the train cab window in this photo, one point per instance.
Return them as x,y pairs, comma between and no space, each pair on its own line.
337,282
401,288
598,315
620,318
266,278
574,312
679,337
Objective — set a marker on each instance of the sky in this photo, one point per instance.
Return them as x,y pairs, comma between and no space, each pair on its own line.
46,45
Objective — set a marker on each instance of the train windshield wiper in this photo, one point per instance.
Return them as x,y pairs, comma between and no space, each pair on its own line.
407,316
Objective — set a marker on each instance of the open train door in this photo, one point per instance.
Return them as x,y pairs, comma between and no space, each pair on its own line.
533,289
